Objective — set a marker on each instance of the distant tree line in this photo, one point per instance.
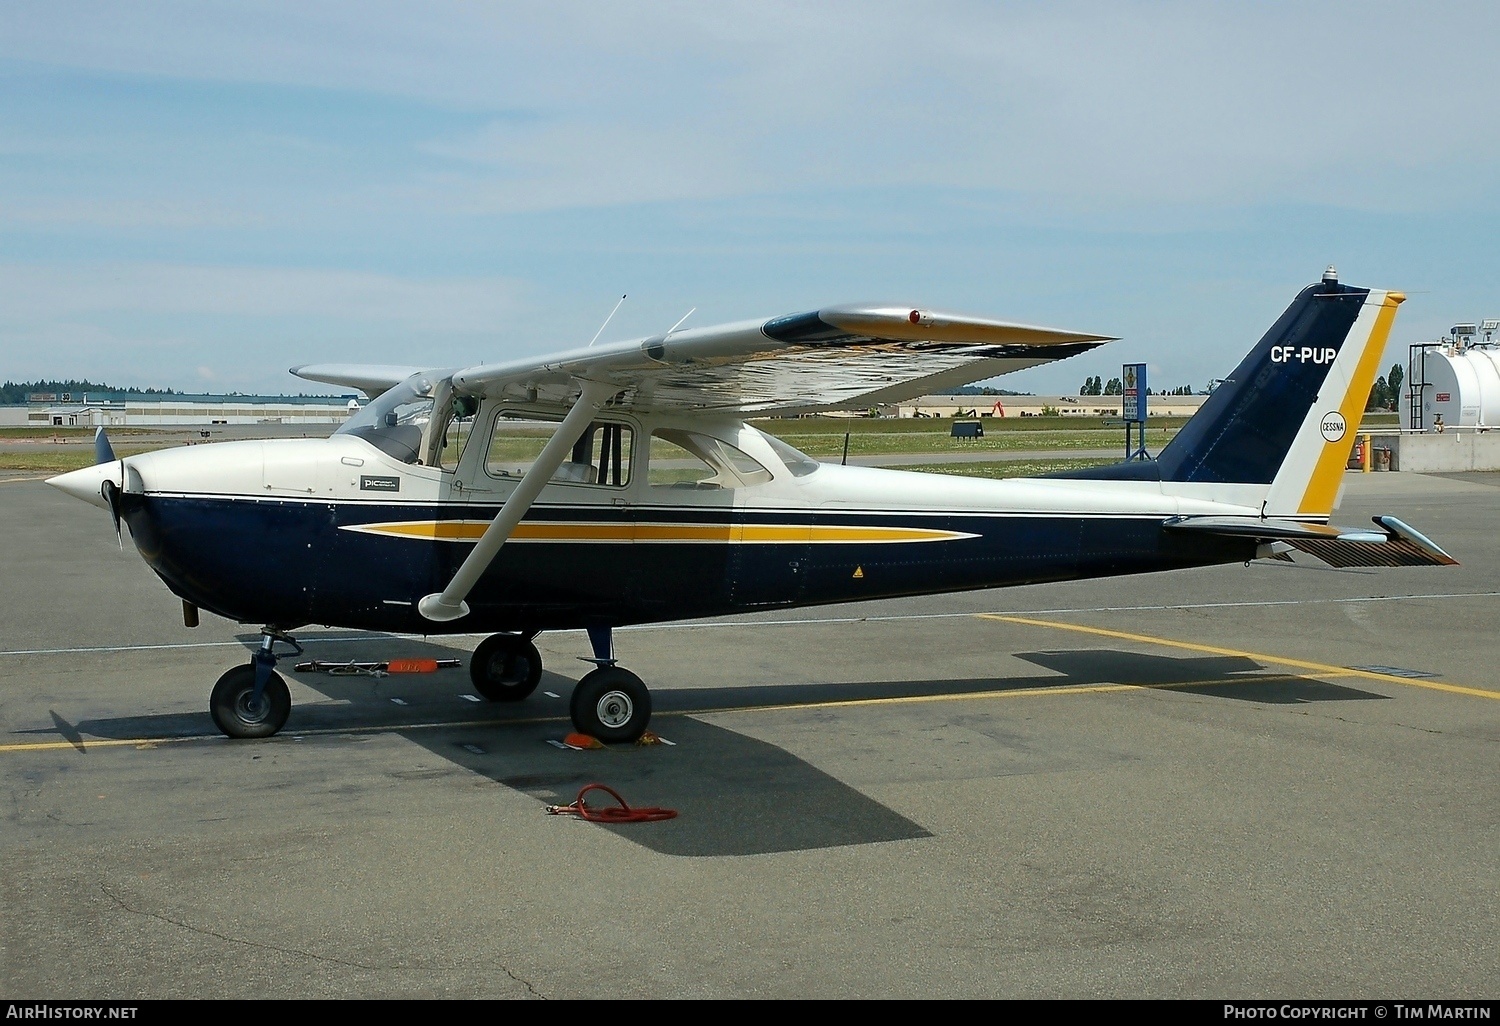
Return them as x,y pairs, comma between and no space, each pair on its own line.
978,390
1384,396
1387,391
1114,386
13,393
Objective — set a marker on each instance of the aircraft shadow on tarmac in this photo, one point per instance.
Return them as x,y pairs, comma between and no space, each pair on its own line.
1219,676
735,795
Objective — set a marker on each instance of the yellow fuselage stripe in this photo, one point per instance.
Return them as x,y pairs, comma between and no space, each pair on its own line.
470,530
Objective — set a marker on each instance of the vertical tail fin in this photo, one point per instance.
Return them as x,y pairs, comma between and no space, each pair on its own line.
1287,416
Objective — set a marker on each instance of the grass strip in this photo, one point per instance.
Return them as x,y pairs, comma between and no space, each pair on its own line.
1005,468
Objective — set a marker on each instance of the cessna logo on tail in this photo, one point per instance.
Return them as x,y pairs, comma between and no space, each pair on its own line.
1303,354
1333,426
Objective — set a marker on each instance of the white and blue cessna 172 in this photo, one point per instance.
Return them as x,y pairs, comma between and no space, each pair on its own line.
652,499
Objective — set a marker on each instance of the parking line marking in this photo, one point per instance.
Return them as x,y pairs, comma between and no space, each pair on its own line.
1321,669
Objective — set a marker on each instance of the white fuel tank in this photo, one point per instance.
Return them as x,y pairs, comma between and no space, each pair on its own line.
1462,387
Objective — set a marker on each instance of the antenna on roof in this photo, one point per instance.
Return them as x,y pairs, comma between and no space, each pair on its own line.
605,324
679,323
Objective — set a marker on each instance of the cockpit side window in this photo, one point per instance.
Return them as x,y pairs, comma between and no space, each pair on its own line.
600,456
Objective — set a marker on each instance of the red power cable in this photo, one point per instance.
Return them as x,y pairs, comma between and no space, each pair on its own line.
620,814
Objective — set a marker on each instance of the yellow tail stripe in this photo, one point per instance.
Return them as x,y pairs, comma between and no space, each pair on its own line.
1323,487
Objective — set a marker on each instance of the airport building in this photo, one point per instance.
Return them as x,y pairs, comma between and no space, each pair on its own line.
1450,409
169,409
134,409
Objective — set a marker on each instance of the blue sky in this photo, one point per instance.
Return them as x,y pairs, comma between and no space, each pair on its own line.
199,196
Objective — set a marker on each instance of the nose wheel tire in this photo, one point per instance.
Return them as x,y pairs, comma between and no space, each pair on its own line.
611,704
505,668
237,710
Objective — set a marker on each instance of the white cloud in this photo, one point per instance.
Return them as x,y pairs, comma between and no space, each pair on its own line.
90,212
182,326
1079,105
1062,163
37,292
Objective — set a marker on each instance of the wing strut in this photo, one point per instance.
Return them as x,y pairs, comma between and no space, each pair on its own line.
449,604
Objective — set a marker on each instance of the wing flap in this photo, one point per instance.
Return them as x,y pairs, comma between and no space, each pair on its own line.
1396,545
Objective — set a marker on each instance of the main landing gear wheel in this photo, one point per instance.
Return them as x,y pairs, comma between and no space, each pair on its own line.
505,667
611,704
240,713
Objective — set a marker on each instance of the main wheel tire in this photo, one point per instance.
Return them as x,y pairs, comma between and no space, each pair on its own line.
611,704
505,668
239,714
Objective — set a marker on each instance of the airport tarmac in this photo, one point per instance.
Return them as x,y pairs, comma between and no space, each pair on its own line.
1272,781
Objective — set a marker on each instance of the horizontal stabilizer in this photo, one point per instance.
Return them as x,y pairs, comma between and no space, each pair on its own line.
371,379
1396,545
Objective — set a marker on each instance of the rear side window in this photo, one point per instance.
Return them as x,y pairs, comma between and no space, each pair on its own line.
687,459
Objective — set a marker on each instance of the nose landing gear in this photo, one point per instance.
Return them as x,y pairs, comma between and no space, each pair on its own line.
251,701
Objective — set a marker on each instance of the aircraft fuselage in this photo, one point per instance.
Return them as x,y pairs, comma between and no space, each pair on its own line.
336,532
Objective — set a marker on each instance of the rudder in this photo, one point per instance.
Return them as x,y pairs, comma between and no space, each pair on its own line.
1287,416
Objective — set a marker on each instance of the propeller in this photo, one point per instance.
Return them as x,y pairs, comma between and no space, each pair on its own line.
111,493
105,453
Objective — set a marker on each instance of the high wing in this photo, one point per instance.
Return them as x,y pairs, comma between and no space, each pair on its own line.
837,358
841,357
371,379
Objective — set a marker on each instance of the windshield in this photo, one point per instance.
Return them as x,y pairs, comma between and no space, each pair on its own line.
394,421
